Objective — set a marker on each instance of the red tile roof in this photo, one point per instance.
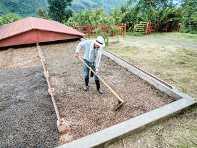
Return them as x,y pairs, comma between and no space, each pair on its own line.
32,23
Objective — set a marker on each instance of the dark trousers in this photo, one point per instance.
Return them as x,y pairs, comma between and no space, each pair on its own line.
87,72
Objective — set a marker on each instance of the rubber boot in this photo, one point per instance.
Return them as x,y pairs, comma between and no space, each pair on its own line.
86,88
91,74
98,86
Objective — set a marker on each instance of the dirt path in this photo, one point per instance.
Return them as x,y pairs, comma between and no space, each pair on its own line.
88,112
27,117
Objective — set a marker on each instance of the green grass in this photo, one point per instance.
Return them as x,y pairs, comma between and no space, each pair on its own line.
172,57
159,54
135,33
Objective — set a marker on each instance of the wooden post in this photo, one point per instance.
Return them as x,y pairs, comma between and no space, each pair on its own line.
61,123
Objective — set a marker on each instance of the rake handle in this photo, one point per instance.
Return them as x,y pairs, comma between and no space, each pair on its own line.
103,81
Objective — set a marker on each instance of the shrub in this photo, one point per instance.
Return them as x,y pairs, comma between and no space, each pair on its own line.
8,18
91,17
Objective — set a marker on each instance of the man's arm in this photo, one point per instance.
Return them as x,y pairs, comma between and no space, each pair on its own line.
80,46
98,59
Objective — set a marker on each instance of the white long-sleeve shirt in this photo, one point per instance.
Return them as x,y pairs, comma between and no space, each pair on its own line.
90,53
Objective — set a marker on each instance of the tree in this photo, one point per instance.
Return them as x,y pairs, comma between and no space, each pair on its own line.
57,9
190,15
162,13
91,17
68,14
42,13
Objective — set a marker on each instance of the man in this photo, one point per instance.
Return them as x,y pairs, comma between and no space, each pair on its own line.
92,57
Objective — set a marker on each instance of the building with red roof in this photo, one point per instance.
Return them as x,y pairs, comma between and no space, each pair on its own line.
35,30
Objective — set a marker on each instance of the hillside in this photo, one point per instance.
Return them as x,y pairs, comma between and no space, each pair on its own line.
22,7
3,8
29,7
107,5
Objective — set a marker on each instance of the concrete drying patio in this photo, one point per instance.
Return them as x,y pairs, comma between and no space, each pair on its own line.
89,116
80,109
111,133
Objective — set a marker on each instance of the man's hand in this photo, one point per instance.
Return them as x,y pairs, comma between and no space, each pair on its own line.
97,71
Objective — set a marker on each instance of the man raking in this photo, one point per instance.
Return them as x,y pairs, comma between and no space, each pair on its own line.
93,50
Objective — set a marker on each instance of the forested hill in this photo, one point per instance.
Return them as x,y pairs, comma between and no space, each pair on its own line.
89,4
22,7
29,7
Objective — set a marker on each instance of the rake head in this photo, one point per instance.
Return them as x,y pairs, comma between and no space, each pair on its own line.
118,106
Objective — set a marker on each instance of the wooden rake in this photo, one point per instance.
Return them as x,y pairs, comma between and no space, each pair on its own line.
121,102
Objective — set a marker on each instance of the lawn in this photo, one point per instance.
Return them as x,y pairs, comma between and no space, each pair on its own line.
173,58
170,56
